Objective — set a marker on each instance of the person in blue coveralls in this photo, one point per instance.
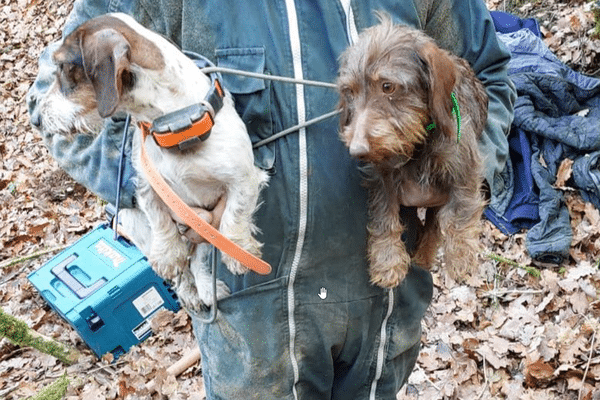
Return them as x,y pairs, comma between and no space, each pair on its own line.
315,328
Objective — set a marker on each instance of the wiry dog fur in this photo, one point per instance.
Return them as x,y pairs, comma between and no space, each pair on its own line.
393,83
110,64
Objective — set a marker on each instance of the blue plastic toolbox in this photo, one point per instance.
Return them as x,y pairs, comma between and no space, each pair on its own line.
105,288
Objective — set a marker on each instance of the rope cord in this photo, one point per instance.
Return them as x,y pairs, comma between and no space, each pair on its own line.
232,71
120,174
294,128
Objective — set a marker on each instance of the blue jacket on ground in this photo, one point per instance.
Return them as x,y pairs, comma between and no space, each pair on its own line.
275,337
547,126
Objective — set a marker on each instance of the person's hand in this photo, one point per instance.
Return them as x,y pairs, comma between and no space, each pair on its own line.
213,217
415,195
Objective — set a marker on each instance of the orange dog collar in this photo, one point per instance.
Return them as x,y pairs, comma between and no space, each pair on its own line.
190,125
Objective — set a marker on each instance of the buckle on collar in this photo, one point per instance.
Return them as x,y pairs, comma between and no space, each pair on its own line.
190,125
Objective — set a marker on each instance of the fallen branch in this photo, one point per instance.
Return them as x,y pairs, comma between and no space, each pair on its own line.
498,293
55,391
486,383
587,367
20,334
177,369
18,260
533,271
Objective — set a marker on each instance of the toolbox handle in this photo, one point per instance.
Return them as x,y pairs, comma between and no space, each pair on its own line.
62,273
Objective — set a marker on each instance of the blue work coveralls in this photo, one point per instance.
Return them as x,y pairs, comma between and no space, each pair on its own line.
279,336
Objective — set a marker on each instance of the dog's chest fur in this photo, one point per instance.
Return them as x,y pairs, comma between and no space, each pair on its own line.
180,168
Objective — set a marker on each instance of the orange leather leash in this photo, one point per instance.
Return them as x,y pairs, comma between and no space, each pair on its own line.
185,212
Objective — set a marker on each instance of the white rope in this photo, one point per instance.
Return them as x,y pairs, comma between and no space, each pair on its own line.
296,128
256,75
232,71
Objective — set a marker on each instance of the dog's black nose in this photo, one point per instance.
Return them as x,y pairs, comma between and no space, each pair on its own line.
34,115
35,119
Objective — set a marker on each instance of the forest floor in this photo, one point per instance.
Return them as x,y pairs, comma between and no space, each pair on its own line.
518,331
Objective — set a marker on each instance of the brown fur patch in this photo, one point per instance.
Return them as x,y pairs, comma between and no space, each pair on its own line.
105,47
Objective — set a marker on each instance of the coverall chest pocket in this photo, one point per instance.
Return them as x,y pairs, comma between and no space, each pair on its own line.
252,97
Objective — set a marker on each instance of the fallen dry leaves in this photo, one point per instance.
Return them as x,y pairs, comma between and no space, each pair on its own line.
503,335
568,27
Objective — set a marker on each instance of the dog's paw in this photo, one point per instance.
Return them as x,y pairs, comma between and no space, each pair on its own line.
425,257
205,292
388,261
388,270
183,284
461,264
167,269
190,300
233,265
169,263
461,250
198,298
391,277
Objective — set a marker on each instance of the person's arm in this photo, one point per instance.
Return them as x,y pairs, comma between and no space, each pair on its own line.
92,161
465,28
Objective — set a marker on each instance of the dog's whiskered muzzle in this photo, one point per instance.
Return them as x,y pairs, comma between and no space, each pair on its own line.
359,149
36,120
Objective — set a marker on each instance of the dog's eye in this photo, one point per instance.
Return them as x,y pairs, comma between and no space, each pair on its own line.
388,87
347,93
68,77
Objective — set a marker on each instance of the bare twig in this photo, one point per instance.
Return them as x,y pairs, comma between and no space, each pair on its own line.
530,270
433,384
496,293
587,367
106,367
18,260
485,384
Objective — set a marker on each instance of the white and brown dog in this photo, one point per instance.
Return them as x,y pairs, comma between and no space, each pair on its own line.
111,63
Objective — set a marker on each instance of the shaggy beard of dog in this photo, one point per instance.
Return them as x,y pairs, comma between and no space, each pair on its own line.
394,82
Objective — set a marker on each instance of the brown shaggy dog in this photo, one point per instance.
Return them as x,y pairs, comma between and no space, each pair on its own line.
394,83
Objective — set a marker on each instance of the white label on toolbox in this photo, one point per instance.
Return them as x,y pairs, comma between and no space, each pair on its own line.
109,252
148,302
142,329
145,326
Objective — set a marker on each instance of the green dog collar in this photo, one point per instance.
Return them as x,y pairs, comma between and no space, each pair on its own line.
456,112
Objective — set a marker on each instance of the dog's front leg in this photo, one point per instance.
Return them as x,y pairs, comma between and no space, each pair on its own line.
237,222
460,224
168,251
389,261
202,276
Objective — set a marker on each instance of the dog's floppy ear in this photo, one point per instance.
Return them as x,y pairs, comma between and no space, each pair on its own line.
106,55
68,52
441,78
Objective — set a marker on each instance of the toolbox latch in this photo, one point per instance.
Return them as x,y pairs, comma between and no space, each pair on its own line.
94,322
